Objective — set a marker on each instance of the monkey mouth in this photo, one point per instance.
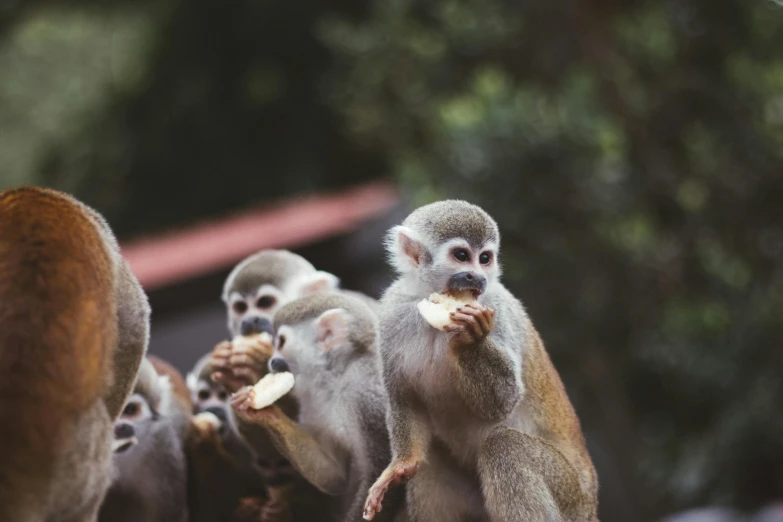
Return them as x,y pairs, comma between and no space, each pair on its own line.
458,293
123,445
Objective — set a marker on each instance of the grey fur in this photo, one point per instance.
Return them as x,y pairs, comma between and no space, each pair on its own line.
468,409
150,479
342,402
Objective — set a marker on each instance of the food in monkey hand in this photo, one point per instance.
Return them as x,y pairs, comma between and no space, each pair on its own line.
436,309
247,342
206,419
271,388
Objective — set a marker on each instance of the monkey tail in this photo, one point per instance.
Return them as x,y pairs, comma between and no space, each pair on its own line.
57,324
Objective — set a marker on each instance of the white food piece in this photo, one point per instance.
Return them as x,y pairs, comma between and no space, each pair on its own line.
207,419
248,341
270,388
437,307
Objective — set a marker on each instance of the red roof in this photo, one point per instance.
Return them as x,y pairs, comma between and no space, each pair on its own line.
176,256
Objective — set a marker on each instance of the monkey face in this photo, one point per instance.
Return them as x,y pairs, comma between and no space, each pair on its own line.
465,267
456,265
134,424
139,414
251,313
311,347
210,397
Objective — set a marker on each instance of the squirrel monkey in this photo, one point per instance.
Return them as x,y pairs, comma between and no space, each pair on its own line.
74,327
254,290
150,481
479,421
339,441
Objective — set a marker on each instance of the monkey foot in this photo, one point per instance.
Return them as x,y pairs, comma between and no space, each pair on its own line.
398,473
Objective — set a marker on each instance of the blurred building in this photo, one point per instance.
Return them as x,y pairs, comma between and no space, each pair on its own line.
183,271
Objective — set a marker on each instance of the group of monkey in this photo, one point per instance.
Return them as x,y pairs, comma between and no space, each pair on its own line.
389,418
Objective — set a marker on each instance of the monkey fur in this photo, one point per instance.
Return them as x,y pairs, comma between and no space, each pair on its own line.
74,327
150,478
339,442
480,424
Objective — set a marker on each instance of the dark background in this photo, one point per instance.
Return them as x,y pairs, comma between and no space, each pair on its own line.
632,152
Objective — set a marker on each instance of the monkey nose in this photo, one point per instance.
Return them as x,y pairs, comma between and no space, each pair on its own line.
124,430
255,325
278,364
218,412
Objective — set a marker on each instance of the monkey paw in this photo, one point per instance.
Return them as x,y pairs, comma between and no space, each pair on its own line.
471,324
242,404
396,473
250,509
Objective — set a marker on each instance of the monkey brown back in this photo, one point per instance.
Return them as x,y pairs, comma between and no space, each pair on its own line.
61,279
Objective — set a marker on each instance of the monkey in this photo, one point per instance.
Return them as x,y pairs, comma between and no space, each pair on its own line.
74,327
480,424
254,290
340,443
150,481
222,475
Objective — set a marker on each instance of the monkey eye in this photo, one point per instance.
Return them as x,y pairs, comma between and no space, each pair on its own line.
239,307
131,409
280,342
203,395
461,255
266,301
222,395
485,258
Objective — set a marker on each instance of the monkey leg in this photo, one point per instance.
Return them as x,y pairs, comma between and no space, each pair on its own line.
526,478
442,492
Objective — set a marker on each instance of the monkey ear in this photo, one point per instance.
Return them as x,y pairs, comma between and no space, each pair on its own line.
407,251
332,329
318,282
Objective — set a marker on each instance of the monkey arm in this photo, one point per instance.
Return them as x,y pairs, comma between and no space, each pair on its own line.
487,379
307,456
297,445
408,435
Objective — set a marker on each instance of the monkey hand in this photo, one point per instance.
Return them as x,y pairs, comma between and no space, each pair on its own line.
237,366
398,472
471,324
220,366
249,509
242,403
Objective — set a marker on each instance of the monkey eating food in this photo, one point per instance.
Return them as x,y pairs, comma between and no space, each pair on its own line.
437,308
338,441
269,389
480,424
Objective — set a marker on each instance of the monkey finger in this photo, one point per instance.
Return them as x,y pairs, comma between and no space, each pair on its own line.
220,377
470,322
248,376
481,316
247,360
454,328
241,397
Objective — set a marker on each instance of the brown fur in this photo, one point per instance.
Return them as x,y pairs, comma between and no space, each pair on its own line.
554,413
178,386
58,333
